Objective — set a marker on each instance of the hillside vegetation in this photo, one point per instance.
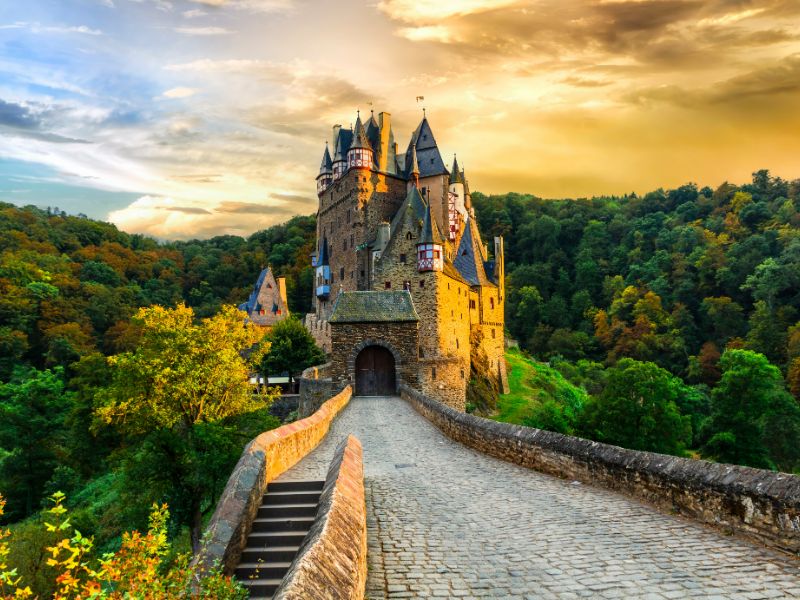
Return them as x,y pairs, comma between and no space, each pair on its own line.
689,296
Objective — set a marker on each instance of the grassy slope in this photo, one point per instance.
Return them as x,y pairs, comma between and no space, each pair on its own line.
531,383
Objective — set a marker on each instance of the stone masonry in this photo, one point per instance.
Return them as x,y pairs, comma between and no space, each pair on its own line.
446,521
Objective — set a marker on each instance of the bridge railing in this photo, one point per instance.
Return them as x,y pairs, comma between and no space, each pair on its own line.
760,504
263,459
332,560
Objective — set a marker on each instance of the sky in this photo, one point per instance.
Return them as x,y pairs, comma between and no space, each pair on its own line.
193,118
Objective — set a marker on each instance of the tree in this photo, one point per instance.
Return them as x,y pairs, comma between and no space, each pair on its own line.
291,349
182,377
638,409
753,421
32,409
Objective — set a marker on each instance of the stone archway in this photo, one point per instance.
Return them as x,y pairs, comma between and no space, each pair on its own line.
375,372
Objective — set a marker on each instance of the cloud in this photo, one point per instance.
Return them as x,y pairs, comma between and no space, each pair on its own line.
194,13
253,208
179,92
254,6
23,121
39,28
204,31
433,10
166,218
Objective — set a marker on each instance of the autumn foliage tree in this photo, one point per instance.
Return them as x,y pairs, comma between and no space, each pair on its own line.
176,390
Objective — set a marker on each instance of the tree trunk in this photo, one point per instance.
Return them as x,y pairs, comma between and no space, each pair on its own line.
197,525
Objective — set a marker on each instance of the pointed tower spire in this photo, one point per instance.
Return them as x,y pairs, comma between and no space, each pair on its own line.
414,167
455,172
325,177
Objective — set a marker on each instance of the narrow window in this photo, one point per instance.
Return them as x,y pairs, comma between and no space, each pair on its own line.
341,273
407,286
421,352
491,302
344,244
403,259
433,373
387,285
462,373
363,273
409,236
456,343
422,283
493,336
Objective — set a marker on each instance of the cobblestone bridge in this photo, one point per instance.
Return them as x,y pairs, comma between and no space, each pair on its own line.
446,521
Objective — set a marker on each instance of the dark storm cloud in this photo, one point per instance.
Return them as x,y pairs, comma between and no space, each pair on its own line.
22,121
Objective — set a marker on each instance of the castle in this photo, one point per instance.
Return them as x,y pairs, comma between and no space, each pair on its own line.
405,289
267,303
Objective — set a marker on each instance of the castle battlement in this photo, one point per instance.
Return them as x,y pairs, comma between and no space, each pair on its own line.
391,222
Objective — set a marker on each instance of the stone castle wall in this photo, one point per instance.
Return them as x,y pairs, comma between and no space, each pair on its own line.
348,339
759,504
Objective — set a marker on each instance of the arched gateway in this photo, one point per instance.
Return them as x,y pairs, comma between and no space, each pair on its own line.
375,372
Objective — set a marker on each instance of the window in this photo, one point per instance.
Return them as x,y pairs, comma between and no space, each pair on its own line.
472,303
462,373
341,273
407,286
409,236
491,302
387,285
493,335
448,287
403,259
352,240
456,343
269,286
433,161
433,373
421,352
344,244
422,283
464,252
262,312
363,273
277,312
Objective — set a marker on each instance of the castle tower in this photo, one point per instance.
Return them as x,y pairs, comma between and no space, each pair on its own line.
430,247
325,177
457,212
359,155
323,274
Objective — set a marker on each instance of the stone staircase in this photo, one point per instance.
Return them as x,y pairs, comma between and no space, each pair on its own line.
284,518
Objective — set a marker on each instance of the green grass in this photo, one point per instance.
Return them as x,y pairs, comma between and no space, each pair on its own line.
531,385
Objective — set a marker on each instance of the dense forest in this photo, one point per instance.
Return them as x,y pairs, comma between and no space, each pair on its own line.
694,290
72,334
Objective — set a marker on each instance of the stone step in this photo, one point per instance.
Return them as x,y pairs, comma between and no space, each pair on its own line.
290,497
261,570
295,486
264,539
308,509
261,588
269,555
283,523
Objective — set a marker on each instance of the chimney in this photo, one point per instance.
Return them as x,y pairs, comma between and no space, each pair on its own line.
384,232
335,138
385,127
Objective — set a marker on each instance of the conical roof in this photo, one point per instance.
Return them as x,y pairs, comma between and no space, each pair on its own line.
373,132
360,139
326,166
430,230
456,176
413,167
430,161
342,144
324,258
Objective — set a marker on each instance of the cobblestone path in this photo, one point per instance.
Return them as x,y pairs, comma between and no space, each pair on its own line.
446,521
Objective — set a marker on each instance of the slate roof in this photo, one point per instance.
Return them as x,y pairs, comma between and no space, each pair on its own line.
252,301
469,258
342,144
456,176
360,136
430,230
327,164
374,307
428,157
415,202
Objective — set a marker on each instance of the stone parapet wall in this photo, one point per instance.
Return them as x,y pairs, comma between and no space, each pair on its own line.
332,562
263,459
320,330
760,504
316,386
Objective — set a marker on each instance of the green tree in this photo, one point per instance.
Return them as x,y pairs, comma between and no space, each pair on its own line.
32,409
754,421
182,378
638,409
291,349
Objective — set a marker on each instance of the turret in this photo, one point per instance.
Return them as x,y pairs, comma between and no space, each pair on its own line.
325,177
323,275
359,156
430,248
457,211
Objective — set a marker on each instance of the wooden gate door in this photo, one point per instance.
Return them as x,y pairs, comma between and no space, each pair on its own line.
375,375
